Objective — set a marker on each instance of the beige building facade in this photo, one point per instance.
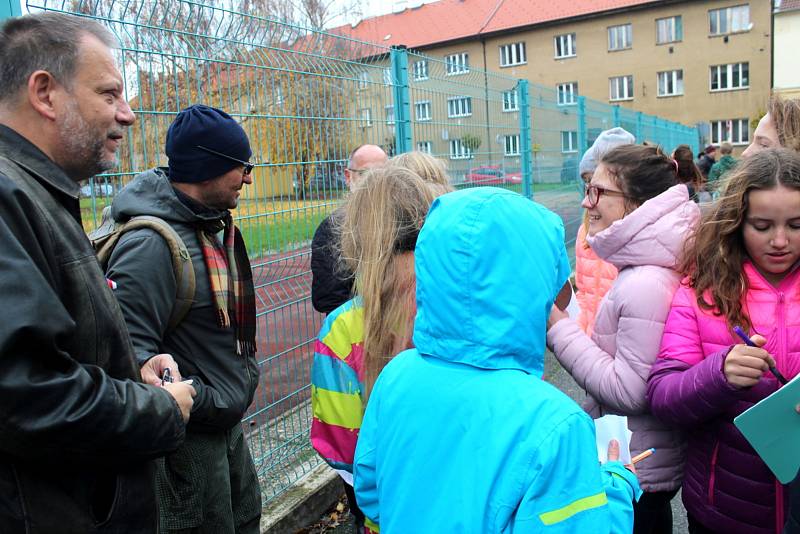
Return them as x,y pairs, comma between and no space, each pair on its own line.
704,63
786,64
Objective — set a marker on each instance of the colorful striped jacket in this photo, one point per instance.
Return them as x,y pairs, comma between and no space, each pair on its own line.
337,383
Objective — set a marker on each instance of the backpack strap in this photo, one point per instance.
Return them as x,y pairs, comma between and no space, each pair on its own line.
181,261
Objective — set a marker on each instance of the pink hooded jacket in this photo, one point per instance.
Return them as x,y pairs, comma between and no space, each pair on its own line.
593,278
726,485
613,364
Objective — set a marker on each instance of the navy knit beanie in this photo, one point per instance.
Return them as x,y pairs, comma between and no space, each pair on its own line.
211,128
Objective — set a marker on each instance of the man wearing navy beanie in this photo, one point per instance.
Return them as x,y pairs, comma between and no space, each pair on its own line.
209,485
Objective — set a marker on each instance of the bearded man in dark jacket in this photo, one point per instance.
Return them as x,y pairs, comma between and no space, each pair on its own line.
78,428
209,485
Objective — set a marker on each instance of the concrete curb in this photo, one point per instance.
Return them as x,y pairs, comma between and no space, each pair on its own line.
303,503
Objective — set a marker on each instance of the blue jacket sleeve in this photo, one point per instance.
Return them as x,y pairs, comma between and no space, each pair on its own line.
622,488
365,482
567,492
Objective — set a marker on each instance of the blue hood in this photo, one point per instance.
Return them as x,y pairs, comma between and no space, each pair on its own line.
489,264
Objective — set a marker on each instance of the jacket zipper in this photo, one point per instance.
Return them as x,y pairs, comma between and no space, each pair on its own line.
713,473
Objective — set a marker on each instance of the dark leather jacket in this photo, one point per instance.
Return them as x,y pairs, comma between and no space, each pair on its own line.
77,428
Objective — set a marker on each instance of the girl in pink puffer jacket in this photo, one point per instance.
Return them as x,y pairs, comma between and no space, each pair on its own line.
638,221
742,271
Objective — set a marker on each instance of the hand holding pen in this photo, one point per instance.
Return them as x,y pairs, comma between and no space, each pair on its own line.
745,364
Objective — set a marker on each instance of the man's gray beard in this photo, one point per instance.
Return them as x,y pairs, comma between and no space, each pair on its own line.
83,153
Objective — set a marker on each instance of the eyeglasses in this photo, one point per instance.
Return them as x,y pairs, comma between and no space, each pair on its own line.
248,167
593,193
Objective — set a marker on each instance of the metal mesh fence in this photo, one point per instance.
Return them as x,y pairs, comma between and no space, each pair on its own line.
306,99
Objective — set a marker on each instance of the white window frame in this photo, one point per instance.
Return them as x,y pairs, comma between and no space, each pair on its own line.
366,117
510,101
511,145
513,54
672,29
735,19
728,69
667,79
389,113
458,150
422,105
620,37
567,93
363,80
627,88
456,64
459,106
387,76
569,45
724,130
421,70
425,146
572,141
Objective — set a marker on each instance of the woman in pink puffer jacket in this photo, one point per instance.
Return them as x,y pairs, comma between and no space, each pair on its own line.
638,221
742,271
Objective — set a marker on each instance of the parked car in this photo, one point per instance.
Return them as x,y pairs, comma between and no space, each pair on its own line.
91,189
491,175
321,182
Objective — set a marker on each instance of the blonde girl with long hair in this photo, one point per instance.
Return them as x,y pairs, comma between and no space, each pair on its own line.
382,218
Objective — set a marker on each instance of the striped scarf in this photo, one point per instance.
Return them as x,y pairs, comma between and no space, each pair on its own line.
231,283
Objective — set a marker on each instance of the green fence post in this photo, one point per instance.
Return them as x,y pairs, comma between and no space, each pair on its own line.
615,116
583,139
525,147
9,8
639,131
402,101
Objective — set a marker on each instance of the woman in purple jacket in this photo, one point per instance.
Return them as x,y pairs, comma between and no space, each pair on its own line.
639,217
741,271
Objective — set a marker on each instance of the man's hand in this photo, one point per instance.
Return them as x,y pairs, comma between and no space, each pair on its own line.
153,369
183,393
744,365
613,455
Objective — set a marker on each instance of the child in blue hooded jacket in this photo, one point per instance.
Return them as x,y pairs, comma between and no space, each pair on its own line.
460,433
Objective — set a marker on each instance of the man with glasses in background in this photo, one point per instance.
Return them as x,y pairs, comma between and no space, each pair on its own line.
209,484
332,283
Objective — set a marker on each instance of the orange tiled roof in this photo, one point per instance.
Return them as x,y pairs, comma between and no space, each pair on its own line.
788,5
451,20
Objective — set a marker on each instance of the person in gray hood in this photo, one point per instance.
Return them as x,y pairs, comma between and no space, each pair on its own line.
209,484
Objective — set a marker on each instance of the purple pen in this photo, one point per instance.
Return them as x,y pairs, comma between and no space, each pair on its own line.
749,342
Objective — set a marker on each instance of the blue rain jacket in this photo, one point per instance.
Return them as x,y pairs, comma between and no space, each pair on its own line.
461,434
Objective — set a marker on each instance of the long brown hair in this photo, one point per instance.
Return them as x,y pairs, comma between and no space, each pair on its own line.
642,172
715,253
688,173
382,218
785,115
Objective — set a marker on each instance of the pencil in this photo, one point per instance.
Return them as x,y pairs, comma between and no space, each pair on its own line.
749,342
642,455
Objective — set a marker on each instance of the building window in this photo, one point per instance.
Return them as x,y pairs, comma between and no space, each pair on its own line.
387,76
567,93
512,54
736,131
459,106
620,88
363,79
366,117
670,83
511,145
458,150
457,63
389,114
566,45
729,20
421,70
731,76
569,141
422,110
620,37
425,146
510,102
669,30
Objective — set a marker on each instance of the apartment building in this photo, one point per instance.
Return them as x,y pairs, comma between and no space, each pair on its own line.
785,71
700,62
